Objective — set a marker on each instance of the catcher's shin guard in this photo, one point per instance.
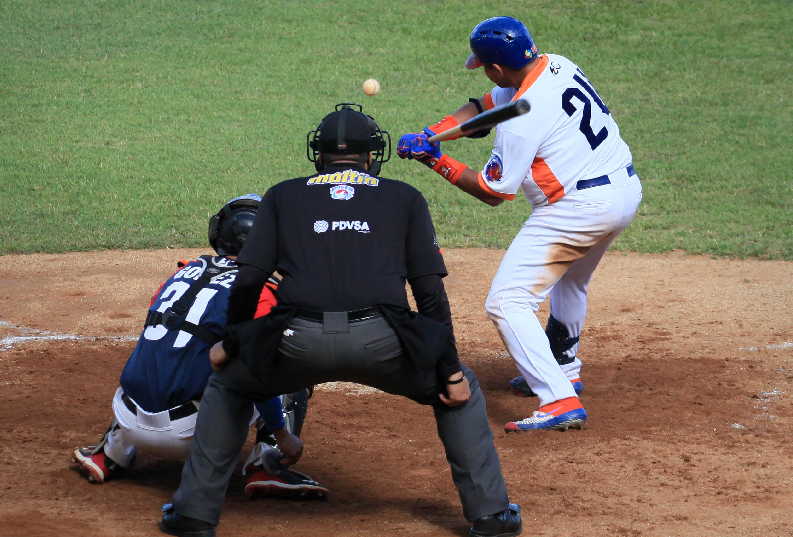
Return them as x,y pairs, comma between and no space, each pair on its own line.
295,408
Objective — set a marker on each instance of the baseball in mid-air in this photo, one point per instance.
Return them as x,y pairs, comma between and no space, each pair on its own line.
371,86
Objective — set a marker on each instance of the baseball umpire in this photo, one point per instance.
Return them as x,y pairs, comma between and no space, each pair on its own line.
345,241
567,158
155,407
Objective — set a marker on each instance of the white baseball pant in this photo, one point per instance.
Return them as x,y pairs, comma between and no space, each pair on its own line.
555,253
154,432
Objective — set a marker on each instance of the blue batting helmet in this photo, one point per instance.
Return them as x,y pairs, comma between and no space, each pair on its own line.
502,40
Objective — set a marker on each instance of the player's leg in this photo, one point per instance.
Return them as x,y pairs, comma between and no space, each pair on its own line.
569,307
118,447
551,240
468,440
533,263
113,454
375,358
220,433
563,346
221,430
569,296
476,470
167,433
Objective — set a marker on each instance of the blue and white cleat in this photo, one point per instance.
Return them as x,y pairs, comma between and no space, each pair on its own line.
558,416
520,387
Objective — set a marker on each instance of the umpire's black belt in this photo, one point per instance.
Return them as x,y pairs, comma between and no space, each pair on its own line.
354,315
176,413
602,180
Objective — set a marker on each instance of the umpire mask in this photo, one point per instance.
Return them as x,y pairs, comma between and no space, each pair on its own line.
347,130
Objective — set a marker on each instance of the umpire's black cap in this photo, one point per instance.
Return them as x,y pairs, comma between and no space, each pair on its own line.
347,130
344,131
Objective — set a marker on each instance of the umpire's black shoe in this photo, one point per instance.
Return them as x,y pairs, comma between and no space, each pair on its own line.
504,524
173,523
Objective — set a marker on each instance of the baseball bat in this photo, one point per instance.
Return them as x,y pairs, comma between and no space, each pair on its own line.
485,120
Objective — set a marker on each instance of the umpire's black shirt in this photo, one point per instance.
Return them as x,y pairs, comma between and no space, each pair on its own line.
342,240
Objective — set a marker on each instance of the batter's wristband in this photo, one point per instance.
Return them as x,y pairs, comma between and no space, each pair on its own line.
449,122
449,168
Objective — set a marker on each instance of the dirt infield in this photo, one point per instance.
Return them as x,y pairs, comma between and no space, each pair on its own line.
688,372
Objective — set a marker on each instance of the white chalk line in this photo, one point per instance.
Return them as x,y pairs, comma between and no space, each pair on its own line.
350,388
28,334
34,334
771,347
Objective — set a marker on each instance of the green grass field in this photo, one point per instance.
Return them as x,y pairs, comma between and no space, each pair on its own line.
125,124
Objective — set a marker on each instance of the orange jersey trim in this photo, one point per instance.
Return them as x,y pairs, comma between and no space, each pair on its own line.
532,76
546,180
483,185
487,101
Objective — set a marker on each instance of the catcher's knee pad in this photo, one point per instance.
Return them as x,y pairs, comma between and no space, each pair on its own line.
560,341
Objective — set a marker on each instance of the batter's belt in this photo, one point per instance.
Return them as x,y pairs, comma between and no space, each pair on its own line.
602,180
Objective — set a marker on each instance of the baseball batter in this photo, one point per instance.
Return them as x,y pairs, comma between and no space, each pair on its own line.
569,161
156,405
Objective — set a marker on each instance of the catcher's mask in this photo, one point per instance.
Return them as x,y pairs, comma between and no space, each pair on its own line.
347,130
229,228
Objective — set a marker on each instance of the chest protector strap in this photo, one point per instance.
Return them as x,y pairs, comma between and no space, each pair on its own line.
174,318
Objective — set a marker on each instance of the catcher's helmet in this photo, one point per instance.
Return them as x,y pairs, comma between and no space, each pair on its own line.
348,130
502,40
229,228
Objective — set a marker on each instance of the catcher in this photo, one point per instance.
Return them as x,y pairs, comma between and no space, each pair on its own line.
156,405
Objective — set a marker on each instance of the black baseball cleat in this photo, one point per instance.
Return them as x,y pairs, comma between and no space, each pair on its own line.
507,523
282,483
173,523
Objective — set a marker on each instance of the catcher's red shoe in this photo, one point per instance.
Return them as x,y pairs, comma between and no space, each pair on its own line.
282,484
97,466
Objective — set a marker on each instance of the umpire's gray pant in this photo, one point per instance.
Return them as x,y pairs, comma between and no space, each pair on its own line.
367,353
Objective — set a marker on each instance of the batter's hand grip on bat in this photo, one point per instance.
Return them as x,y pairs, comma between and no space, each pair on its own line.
485,120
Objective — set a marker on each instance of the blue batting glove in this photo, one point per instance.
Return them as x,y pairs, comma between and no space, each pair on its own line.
405,143
422,150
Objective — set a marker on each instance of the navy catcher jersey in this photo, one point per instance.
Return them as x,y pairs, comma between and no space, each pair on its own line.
169,367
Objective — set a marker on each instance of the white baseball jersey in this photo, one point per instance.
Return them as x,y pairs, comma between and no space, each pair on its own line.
568,158
567,136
